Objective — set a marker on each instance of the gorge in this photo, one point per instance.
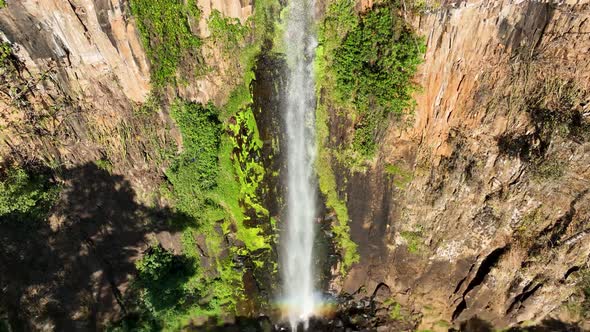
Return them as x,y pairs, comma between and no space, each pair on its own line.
340,165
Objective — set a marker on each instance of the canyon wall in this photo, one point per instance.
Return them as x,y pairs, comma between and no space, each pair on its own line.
76,97
494,222
85,58
484,214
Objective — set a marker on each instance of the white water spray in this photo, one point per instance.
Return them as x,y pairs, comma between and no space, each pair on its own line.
297,241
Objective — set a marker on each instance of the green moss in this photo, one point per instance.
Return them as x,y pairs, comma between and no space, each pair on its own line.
413,240
165,27
105,165
327,184
227,30
401,177
396,312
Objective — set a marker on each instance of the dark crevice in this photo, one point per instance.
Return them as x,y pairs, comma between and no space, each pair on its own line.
462,281
527,292
379,286
485,267
570,271
462,306
550,237
460,284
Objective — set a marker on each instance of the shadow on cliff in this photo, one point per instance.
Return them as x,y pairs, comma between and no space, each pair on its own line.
548,325
73,273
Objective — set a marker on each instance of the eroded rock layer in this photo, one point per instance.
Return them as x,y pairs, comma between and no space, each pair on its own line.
494,221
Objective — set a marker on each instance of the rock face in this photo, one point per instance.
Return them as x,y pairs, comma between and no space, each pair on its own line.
70,97
85,57
93,43
494,223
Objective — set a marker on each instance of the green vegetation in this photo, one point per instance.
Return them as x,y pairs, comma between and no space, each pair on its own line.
413,240
5,53
245,138
396,312
327,184
584,285
161,278
214,184
373,68
195,170
25,195
443,323
105,165
227,31
205,186
2,3
526,232
421,6
548,169
165,27
364,66
401,177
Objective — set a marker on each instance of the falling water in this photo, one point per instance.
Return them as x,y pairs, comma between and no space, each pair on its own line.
297,242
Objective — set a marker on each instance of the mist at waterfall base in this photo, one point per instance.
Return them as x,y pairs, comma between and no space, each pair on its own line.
299,299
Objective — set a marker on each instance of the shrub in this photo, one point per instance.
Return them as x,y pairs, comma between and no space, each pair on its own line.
195,169
227,30
162,275
166,34
24,195
374,66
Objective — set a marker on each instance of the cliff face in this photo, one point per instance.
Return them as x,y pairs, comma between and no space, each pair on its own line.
85,58
72,96
494,221
477,208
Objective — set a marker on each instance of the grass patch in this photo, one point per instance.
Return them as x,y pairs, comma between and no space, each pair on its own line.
413,240
105,165
227,30
165,27
327,184
401,177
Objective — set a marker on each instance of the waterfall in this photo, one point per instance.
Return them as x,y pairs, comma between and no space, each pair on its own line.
297,238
